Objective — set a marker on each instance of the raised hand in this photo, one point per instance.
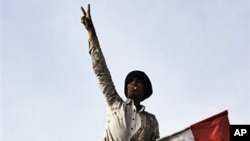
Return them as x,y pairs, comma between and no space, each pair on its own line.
87,21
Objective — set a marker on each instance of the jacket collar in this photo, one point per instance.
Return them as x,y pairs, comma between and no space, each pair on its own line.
130,101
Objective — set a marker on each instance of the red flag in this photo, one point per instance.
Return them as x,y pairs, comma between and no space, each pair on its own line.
214,128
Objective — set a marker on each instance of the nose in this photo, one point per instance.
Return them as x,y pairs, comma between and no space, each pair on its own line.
133,83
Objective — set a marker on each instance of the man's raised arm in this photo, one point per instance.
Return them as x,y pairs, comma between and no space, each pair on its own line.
98,61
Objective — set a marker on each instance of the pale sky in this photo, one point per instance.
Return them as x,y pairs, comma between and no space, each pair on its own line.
195,52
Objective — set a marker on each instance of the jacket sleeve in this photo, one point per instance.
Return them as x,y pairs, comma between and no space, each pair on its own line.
102,72
156,131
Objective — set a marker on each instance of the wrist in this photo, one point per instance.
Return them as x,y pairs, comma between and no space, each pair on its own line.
92,33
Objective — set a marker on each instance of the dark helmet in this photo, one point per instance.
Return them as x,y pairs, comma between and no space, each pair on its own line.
147,84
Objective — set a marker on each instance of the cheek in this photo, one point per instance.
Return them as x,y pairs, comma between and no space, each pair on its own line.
141,86
129,88
141,89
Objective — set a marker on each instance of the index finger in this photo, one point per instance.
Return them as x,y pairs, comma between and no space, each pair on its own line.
83,11
88,9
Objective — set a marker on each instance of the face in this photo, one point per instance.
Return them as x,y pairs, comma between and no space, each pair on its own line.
135,89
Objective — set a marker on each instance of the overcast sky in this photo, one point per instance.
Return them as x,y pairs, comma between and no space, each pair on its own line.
196,53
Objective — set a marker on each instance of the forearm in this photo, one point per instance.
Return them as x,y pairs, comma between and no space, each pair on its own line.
98,60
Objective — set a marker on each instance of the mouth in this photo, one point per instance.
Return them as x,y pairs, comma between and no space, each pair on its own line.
134,89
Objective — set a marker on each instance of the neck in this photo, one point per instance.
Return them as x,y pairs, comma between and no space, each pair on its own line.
137,105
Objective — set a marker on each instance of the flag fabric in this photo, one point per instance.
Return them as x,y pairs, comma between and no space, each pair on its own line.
214,128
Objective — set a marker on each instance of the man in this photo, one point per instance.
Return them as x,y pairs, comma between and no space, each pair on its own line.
126,120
